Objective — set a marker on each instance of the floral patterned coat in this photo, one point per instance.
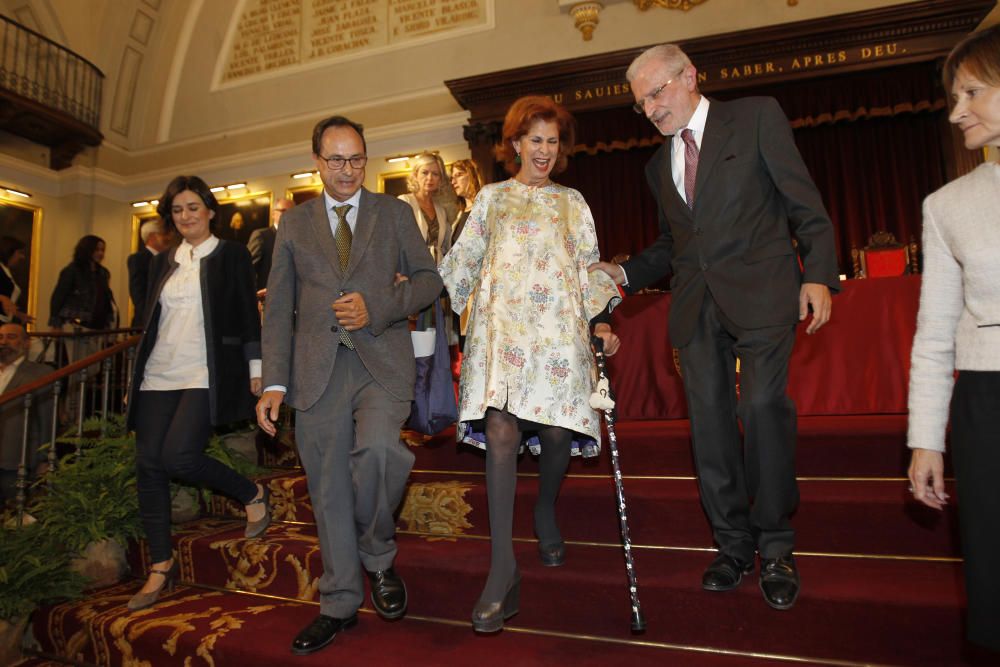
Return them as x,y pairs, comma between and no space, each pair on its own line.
522,260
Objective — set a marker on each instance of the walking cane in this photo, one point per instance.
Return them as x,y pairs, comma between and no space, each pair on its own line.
603,399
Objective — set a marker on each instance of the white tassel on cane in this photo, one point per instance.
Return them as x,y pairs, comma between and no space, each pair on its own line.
601,398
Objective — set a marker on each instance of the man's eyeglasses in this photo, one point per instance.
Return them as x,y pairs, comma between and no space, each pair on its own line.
336,163
640,106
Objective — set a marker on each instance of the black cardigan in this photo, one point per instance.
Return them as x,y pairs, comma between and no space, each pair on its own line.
232,328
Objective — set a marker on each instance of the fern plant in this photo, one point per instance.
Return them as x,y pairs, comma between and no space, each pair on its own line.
91,496
34,569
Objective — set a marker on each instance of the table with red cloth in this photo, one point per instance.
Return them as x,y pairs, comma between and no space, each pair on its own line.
859,363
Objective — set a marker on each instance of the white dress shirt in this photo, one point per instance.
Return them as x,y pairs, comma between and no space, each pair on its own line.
697,127
352,213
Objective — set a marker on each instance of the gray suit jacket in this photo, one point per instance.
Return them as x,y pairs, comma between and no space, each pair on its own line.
300,334
12,418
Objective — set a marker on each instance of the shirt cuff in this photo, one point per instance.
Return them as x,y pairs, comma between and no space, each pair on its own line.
255,371
625,282
277,387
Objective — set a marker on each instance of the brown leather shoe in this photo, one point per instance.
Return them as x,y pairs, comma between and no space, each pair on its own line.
489,616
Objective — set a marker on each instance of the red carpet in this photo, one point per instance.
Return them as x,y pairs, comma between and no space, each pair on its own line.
899,610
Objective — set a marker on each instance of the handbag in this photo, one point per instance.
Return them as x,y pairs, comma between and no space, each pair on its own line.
434,408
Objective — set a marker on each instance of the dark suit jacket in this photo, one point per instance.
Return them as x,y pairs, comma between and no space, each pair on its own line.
753,194
232,328
138,276
261,246
301,332
12,418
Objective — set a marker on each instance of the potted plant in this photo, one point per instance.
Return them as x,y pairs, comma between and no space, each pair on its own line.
90,502
34,569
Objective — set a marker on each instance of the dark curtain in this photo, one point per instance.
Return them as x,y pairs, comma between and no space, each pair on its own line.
871,141
874,174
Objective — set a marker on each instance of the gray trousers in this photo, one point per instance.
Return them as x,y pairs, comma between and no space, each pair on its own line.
357,469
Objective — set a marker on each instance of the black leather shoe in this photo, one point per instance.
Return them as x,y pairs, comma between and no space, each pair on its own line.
388,593
552,555
724,573
321,632
779,581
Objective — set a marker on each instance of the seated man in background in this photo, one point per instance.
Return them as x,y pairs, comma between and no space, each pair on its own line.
16,371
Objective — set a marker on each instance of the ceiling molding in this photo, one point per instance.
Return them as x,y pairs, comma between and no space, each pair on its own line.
918,31
382,141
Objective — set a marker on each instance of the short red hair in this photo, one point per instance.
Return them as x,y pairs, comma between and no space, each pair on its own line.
520,117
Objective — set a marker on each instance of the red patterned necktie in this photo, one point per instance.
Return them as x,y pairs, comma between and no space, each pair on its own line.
690,165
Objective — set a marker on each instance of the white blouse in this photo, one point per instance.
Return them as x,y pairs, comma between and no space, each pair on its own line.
179,357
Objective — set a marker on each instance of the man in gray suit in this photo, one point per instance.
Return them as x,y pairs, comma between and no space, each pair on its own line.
16,371
337,349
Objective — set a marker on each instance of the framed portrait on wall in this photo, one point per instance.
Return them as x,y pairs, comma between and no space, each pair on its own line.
240,215
303,193
23,222
393,182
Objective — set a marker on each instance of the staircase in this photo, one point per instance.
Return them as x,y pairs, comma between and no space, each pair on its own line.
881,576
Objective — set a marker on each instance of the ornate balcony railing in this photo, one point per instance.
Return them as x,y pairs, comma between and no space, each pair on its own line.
53,94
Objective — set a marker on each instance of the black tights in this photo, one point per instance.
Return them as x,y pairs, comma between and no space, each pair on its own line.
503,439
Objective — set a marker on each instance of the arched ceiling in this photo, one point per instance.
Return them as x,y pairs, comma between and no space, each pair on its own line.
160,58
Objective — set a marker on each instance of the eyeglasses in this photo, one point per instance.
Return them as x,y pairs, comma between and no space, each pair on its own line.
640,106
336,163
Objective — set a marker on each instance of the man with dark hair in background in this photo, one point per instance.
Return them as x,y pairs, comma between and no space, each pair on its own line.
261,243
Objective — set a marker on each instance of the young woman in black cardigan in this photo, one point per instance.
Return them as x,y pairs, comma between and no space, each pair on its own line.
198,366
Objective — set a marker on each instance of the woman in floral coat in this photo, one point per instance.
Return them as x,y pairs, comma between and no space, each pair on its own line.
528,368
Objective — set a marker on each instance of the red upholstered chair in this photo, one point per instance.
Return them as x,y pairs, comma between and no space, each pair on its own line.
884,257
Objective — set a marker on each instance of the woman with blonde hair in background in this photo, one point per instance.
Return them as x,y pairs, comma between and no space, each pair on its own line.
433,202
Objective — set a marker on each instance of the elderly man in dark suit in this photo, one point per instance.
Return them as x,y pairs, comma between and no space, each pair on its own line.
16,371
337,349
261,243
732,193
155,239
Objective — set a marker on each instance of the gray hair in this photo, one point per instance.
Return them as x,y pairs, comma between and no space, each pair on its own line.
150,228
669,56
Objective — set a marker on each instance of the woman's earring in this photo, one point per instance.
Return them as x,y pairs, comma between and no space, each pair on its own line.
517,158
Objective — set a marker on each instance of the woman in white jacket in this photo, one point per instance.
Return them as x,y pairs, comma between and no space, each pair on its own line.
958,328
